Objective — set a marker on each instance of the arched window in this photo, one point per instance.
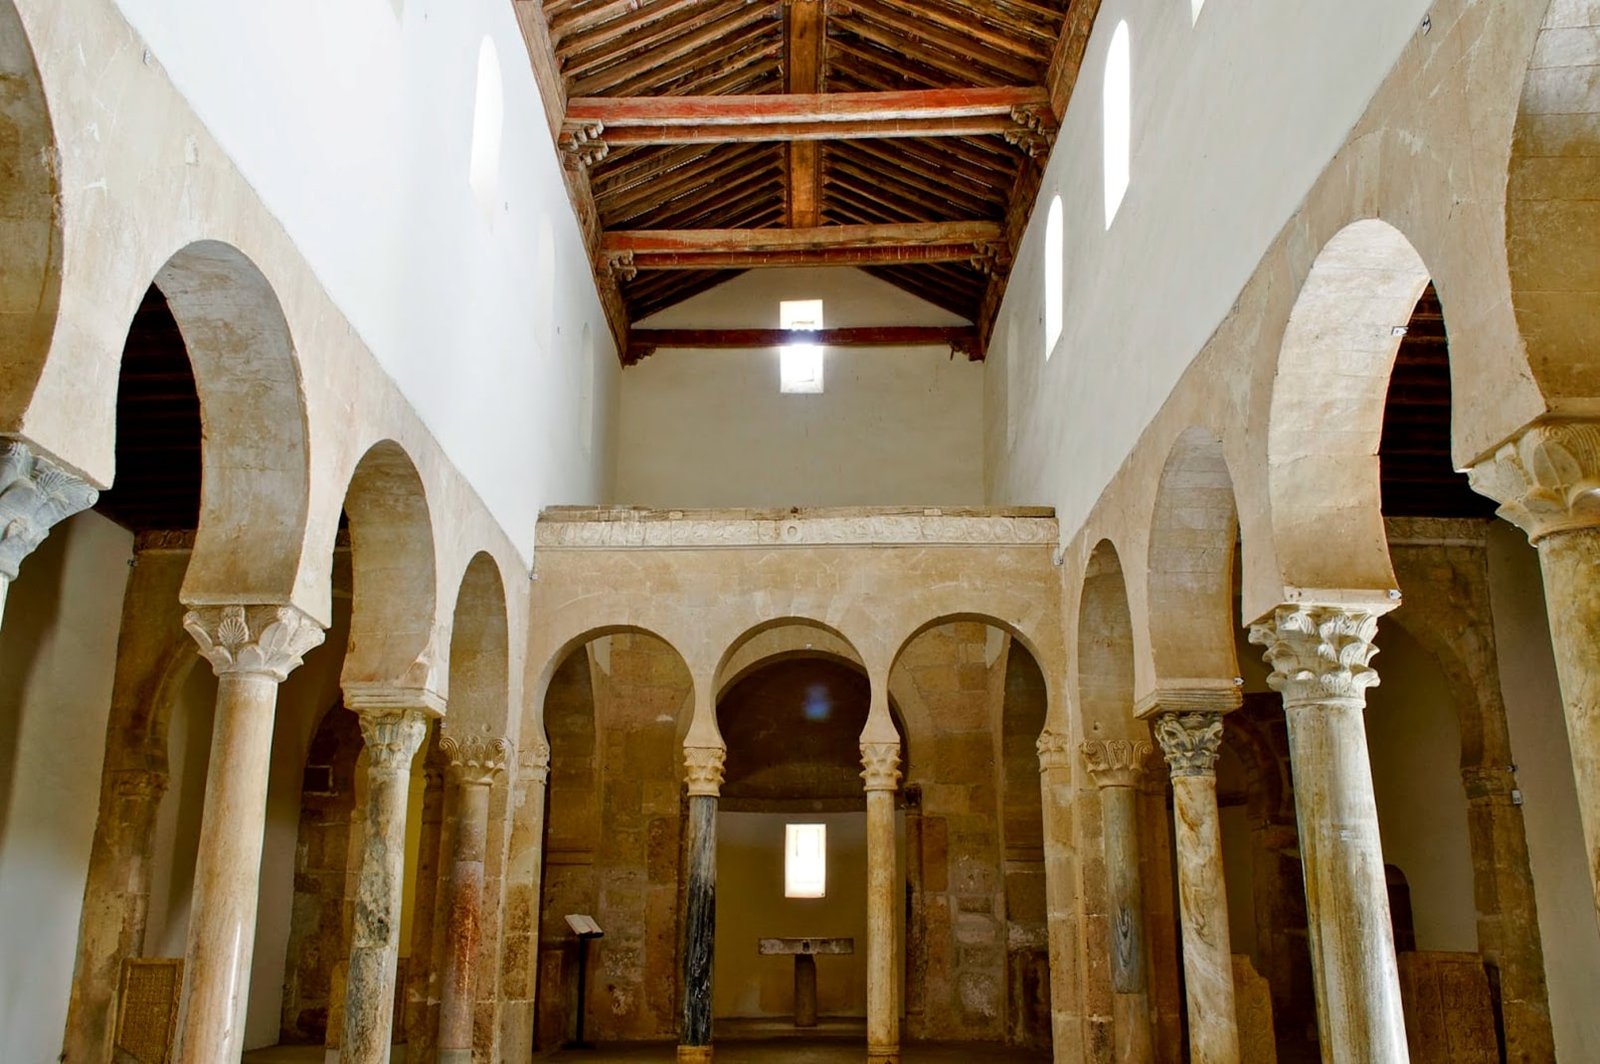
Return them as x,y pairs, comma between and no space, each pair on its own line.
1118,100
1194,10
488,122
1054,239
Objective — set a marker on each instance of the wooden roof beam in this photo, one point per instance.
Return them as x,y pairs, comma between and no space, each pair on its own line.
1021,113
806,33
980,244
961,339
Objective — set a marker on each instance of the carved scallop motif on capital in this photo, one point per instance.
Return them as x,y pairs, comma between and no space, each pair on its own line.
1547,480
703,767
253,640
1191,742
475,760
393,739
880,764
35,495
1055,751
1319,653
1116,762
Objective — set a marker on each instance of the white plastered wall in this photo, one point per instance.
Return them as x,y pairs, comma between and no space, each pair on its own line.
58,650
894,426
353,122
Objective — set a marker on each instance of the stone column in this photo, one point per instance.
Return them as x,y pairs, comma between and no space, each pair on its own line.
1548,484
1319,658
1116,765
393,735
1191,742
881,771
473,766
524,867
35,495
113,929
252,649
703,766
1061,896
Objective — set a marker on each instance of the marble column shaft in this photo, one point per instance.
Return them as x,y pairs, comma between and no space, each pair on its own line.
474,764
704,767
1191,743
1319,658
112,930
252,649
881,771
36,494
1116,765
392,740
1061,895
1548,483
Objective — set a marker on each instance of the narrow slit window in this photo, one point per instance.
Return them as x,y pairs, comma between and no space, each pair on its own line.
1118,100
1194,10
1054,239
800,365
805,866
488,122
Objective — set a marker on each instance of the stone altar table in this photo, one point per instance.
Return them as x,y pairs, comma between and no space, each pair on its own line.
805,952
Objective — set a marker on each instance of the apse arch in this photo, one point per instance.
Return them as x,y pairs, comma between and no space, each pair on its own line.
1194,530
1326,414
394,613
31,256
256,463
1105,659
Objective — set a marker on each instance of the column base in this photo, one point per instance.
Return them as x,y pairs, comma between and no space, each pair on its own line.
694,1055
883,1055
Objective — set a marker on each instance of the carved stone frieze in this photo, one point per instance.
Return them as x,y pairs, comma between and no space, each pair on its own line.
264,640
1319,653
1116,762
1547,480
393,739
703,767
475,760
880,764
1055,751
646,529
35,494
1191,742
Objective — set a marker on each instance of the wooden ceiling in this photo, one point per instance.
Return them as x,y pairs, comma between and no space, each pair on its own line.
705,137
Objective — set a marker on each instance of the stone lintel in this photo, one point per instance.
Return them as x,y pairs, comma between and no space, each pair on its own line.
376,699
624,528
1191,696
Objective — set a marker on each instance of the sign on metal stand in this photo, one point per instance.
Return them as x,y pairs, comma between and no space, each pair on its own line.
586,930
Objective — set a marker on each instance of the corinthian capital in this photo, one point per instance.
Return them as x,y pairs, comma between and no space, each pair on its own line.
1190,742
536,763
393,739
1547,480
703,770
253,640
475,760
1319,653
35,494
880,763
1116,762
1055,751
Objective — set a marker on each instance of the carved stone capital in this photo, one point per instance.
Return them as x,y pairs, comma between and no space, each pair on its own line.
475,760
35,494
393,739
253,640
1191,742
1547,480
703,770
583,144
880,763
1116,762
535,764
1055,751
1319,654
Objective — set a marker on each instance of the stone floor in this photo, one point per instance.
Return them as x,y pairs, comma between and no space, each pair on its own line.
762,1051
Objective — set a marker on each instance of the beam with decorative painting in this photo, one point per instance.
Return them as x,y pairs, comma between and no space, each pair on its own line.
981,244
960,339
1019,114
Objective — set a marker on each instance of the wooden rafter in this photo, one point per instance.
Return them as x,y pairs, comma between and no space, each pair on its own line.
960,339
804,68
832,245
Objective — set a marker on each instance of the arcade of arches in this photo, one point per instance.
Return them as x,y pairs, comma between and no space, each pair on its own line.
1109,780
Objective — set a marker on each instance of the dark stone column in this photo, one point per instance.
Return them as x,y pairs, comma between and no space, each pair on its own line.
700,906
